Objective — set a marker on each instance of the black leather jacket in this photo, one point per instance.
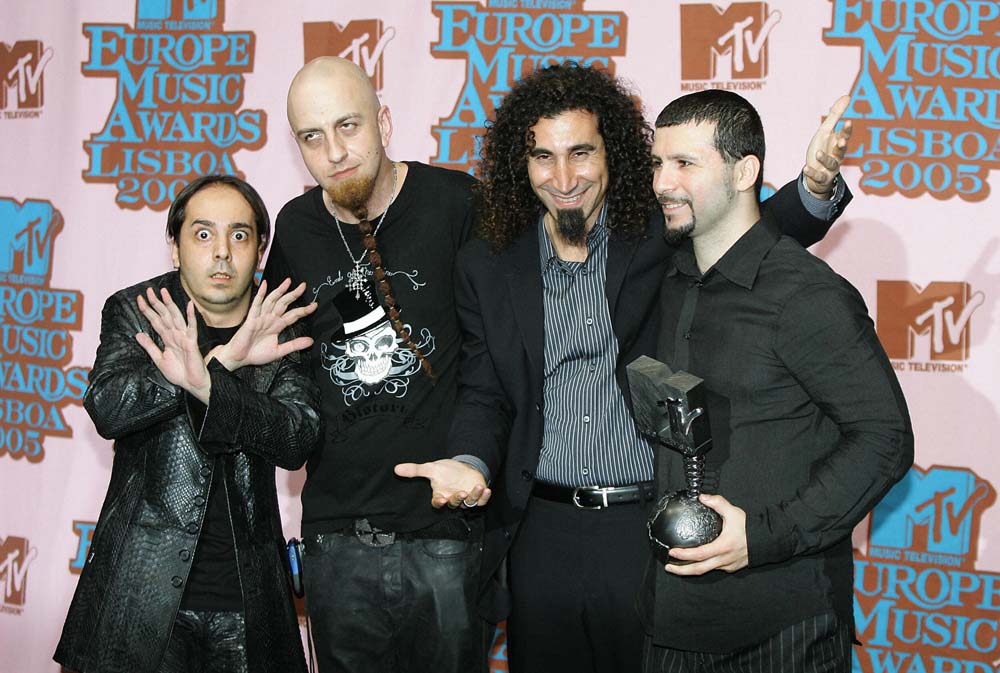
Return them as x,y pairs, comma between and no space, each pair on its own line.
131,586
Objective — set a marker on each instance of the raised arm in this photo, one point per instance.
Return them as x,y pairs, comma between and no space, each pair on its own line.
826,151
807,207
127,393
281,425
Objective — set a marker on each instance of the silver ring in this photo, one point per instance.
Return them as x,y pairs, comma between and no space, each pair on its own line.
466,503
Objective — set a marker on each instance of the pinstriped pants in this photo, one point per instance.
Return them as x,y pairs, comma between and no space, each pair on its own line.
820,644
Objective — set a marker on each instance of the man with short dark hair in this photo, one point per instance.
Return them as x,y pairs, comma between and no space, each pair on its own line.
809,425
559,296
199,382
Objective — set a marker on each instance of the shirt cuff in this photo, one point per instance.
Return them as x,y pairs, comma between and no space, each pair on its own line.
818,208
475,462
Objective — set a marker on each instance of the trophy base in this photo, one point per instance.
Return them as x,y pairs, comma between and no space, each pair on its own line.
680,520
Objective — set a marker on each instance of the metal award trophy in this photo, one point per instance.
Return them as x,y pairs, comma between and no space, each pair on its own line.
670,408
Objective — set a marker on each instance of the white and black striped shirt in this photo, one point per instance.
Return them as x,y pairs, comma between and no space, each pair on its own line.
589,437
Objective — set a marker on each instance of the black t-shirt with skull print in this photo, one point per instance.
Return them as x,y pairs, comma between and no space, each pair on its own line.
380,408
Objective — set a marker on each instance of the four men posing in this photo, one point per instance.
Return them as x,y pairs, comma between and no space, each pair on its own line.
545,309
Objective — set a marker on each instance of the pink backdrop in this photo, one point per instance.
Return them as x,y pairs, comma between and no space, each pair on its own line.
108,106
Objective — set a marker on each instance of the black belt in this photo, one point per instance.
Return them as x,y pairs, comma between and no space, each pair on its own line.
595,497
448,529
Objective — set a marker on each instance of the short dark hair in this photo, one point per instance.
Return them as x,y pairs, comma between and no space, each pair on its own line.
178,209
738,130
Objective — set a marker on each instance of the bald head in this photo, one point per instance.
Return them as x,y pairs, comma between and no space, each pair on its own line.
342,132
330,77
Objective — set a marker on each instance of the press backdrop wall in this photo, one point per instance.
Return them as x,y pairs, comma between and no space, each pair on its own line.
109,106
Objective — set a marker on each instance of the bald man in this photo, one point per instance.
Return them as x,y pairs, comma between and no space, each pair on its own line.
390,580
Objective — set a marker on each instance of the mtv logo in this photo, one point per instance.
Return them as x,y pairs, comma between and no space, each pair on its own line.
177,10
15,557
27,232
21,67
934,511
725,44
362,42
942,311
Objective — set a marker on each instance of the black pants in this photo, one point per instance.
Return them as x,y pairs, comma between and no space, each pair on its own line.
574,575
408,606
206,642
820,644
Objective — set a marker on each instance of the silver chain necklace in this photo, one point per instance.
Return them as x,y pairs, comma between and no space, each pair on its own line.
356,277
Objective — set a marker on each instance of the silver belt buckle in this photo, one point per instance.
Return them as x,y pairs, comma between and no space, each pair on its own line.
576,498
371,536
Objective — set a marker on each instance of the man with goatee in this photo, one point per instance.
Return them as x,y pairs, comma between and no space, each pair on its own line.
390,580
809,425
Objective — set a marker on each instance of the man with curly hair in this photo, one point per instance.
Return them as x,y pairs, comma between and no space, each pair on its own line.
558,296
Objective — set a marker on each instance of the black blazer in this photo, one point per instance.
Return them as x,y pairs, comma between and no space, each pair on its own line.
499,413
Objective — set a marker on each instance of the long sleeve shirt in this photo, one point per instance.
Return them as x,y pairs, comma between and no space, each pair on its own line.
810,430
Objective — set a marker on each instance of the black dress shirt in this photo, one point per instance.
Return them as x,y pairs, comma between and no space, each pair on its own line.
810,430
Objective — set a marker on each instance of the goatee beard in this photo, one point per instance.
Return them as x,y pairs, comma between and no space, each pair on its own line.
353,195
675,236
571,225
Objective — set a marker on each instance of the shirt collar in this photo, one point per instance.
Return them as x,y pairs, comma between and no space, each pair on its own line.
739,265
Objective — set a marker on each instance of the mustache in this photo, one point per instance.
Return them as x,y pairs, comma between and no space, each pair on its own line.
663,199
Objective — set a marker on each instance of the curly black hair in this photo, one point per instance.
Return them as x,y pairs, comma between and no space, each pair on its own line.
507,203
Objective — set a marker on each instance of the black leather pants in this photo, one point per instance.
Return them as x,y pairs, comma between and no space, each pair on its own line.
206,642
407,607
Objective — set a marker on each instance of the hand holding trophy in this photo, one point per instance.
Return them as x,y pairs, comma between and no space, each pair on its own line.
670,409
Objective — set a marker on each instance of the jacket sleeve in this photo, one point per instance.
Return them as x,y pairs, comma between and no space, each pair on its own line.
786,211
482,421
281,425
127,393
828,343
